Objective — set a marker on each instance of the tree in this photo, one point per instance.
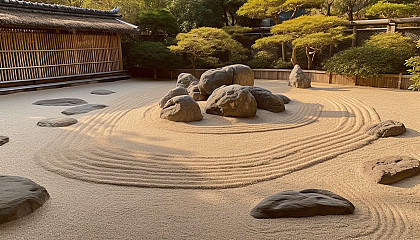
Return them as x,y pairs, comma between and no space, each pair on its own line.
273,8
159,21
152,55
311,32
392,10
414,64
205,42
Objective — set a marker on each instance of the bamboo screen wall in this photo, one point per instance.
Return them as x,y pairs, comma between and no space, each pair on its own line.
31,54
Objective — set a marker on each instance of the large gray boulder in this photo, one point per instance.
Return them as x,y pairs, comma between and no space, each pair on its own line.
181,109
60,102
387,128
57,122
185,79
3,140
232,101
215,78
298,78
267,100
178,91
19,197
232,74
306,203
83,109
195,93
242,74
390,169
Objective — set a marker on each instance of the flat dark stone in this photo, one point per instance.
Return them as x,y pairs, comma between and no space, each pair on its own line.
57,122
102,92
306,203
83,109
387,128
61,102
19,197
390,169
3,140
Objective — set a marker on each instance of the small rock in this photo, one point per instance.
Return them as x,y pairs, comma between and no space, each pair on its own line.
181,109
185,79
391,169
60,102
178,91
19,197
3,140
83,109
285,99
267,100
306,203
232,101
194,92
102,92
386,129
298,78
57,122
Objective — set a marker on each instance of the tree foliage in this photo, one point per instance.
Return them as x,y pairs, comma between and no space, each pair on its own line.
312,32
414,64
206,42
392,10
159,21
152,55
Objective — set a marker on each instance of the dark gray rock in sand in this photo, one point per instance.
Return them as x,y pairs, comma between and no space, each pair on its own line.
306,203
242,74
194,92
232,101
267,100
181,109
3,140
285,99
19,197
391,169
298,78
185,79
83,109
57,122
102,92
387,128
178,91
60,102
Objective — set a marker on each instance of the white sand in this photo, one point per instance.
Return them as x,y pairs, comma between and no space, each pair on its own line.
124,173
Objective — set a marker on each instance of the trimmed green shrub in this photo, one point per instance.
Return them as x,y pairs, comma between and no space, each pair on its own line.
366,61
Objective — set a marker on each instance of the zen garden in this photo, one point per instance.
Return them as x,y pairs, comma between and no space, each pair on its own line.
210,119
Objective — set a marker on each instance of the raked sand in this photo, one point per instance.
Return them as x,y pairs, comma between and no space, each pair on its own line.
124,173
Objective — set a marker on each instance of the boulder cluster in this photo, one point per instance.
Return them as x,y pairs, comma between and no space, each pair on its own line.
229,91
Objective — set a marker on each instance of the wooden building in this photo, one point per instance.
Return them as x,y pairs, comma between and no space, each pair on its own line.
46,44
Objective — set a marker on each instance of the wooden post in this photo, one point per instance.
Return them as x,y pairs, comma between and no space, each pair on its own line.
399,80
120,51
354,39
283,51
329,77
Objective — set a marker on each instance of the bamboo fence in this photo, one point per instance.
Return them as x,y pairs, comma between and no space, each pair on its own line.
35,54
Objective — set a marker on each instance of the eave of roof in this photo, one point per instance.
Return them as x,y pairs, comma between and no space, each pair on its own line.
47,16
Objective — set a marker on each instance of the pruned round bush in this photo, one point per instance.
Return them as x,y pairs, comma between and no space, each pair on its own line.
366,61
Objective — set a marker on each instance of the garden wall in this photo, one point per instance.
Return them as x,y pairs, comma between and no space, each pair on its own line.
398,81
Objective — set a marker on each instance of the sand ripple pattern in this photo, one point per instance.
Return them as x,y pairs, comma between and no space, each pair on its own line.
77,154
